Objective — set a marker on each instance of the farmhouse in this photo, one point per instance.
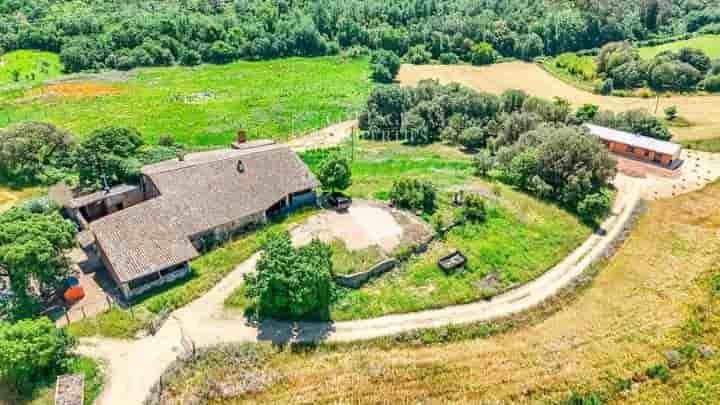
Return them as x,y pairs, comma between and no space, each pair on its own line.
152,231
641,147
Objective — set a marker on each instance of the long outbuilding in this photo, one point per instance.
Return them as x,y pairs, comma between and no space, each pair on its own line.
641,147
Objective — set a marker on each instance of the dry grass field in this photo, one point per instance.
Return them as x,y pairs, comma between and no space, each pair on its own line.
611,332
10,197
702,111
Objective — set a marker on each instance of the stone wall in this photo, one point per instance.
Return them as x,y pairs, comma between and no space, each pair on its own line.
176,275
357,280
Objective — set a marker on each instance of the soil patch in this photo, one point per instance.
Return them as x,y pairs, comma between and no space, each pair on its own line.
76,90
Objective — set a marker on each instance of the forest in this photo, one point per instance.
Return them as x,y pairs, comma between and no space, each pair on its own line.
96,34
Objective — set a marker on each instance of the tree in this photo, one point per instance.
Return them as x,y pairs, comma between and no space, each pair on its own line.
448,58
292,283
483,162
414,194
32,351
596,206
28,149
335,173
587,112
32,256
384,66
695,58
482,54
531,47
106,156
512,100
220,52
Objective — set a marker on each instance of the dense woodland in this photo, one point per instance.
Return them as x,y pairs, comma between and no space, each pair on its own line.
113,34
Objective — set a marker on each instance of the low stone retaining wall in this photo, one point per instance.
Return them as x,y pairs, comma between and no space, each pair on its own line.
358,279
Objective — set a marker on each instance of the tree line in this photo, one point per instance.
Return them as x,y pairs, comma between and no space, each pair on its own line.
109,34
535,144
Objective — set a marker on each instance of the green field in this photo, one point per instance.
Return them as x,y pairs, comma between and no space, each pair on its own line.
710,44
521,239
204,105
28,67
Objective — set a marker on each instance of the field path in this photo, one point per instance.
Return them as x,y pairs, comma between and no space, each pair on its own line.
703,111
134,366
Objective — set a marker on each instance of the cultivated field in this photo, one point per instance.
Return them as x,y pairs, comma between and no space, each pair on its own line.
604,340
702,111
710,44
200,106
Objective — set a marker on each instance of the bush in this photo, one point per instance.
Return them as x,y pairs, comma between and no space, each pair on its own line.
473,137
32,351
712,83
414,194
292,283
449,58
658,371
473,208
384,66
482,54
483,162
671,112
512,100
418,55
606,87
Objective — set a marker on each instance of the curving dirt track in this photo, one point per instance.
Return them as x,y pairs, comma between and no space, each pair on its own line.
703,111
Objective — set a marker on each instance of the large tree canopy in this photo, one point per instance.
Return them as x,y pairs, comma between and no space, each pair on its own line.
29,149
32,256
108,156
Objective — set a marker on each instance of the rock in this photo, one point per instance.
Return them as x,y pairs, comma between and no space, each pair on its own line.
707,352
674,358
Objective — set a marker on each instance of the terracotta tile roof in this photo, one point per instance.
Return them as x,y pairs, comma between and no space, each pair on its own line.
202,192
638,141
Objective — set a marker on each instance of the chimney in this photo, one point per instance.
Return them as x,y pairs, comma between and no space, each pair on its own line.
241,136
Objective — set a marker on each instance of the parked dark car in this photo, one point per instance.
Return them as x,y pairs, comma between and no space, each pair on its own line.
339,202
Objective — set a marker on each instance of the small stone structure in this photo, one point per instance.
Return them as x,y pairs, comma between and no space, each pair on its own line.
70,389
357,280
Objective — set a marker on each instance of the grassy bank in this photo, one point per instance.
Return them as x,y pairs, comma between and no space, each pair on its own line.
204,105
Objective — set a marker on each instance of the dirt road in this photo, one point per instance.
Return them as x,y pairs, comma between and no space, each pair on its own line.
703,111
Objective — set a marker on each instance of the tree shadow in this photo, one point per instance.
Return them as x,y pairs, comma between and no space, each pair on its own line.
282,333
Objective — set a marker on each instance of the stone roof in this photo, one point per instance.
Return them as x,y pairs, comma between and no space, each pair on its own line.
203,191
87,199
638,141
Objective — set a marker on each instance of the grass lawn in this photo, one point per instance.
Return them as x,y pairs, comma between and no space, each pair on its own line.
706,145
522,238
32,67
204,105
710,44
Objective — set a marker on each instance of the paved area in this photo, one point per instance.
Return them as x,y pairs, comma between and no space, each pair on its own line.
362,226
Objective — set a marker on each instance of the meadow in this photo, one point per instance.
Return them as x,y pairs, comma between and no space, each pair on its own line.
201,106
710,44
26,67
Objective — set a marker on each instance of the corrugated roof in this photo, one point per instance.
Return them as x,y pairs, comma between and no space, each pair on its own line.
202,192
639,141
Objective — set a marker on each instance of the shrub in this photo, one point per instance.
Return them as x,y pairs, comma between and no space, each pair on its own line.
712,83
587,112
472,137
449,58
658,371
483,162
292,283
31,351
414,194
606,87
482,54
418,55
512,100
671,112
384,66
335,173
473,208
